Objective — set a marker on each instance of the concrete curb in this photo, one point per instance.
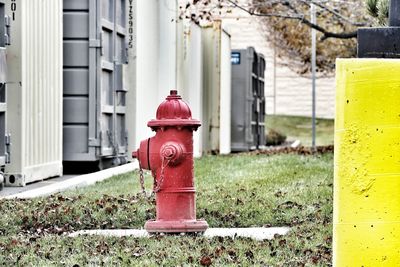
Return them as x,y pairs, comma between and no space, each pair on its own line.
253,233
76,182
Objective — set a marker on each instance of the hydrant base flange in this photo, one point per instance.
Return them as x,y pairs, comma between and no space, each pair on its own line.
182,226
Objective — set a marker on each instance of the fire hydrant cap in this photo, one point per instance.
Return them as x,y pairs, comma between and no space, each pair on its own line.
173,111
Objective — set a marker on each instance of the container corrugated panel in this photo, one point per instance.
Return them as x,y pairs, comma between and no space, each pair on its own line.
225,105
94,92
35,90
216,127
211,37
3,88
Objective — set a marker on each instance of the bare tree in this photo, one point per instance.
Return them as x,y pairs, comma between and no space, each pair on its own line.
288,23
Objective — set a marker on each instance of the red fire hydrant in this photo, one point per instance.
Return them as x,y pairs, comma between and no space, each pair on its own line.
169,156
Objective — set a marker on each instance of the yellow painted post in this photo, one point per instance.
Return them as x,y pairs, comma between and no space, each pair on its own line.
366,219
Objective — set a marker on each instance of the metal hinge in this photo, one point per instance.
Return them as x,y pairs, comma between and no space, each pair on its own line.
126,140
7,35
96,43
8,148
125,56
94,142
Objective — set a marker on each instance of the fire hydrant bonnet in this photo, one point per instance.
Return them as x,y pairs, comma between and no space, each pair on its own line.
174,112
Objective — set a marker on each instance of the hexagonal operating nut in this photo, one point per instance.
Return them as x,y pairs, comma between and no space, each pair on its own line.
172,151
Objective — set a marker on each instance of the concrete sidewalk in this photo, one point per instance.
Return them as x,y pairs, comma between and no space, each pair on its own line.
256,233
66,182
8,191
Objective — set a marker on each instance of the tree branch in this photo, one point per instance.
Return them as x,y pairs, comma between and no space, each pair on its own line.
326,34
337,14
252,13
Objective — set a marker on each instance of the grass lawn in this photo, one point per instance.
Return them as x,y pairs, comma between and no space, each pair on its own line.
233,191
301,128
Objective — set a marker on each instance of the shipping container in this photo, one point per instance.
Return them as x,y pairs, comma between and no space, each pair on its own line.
94,92
154,54
34,94
190,74
4,138
130,75
226,92
248,100
216,129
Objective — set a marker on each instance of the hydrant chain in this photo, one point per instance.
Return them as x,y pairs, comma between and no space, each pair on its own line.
141,180
157,185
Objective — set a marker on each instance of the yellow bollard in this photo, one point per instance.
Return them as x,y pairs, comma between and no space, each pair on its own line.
366,216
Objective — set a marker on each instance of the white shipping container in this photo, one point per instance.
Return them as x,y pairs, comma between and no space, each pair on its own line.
226,74
34,90
154,54
216,90
130,76
190,74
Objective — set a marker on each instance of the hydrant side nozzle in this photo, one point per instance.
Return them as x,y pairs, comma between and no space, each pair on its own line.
134,154
172,151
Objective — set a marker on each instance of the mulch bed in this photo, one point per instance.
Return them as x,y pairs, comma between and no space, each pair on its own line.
297,151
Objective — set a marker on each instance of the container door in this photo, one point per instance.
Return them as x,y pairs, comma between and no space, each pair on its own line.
113,54
81,43
94,96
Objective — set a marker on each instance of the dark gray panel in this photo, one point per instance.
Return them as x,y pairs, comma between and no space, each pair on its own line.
121,130
107,10
76,25
107,45
3,33
106,87
76,53
75,139
379,42
107,121
76,4
76,110
76,81
119,83
121,13
3,65
121,48
248,100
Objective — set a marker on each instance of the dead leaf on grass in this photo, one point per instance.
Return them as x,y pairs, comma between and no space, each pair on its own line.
205,261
